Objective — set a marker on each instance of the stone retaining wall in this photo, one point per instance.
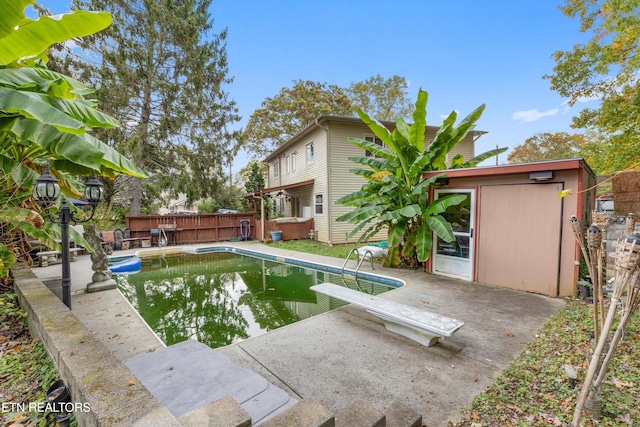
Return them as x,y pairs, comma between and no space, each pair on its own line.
91,372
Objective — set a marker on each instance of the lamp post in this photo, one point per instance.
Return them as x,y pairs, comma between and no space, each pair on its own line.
46,191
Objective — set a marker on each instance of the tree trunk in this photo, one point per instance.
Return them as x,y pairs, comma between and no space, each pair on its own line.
136,196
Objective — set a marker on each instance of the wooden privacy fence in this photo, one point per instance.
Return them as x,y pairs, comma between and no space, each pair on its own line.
198,228
292,228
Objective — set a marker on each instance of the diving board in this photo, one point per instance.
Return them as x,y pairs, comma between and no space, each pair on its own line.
414,323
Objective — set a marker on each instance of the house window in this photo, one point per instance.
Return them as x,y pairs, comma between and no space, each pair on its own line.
372,139
287,164
293,162
276,168
310,153
319,204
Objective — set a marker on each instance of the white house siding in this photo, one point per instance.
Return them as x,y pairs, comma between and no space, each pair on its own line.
464,147
316,171
342,181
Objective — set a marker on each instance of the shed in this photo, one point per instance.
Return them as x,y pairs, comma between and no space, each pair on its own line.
514,230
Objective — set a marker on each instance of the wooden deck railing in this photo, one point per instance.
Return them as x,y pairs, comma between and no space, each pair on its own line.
290,230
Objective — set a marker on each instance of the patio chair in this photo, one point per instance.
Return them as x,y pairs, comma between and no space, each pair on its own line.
117,237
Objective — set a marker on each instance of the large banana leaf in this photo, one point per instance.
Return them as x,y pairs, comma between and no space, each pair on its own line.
372,162
33,101
21,175
362,213
416,133
424,242
34,37
84,111
481,158
12,15
395,233
441,205
422,186
356,196
441,227
379,130
372,147
59,144
33,106
467,124
43,80
84,150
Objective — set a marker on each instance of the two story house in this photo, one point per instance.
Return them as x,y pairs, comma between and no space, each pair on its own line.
310,172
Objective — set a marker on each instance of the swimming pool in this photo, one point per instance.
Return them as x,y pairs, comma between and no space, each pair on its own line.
220,296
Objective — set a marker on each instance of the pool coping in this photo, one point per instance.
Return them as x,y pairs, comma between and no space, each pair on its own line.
388,281
379,278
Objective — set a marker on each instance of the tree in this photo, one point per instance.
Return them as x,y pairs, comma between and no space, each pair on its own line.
548,146
395,195
384,99
287,113
44,118
162,74
606,67
255,177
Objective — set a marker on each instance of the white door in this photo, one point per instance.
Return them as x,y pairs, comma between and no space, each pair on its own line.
456,259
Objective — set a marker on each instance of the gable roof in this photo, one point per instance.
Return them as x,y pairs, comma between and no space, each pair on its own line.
320,120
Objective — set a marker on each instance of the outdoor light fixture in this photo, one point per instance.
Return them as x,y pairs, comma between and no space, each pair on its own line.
541,176
46,191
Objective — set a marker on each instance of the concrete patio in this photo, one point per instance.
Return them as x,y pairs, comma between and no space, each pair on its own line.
347,356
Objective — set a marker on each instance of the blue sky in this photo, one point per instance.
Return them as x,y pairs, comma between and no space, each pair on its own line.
463,52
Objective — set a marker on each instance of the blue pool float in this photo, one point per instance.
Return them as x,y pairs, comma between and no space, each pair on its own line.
129,265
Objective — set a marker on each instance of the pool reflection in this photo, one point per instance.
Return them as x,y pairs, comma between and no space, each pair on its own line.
221,298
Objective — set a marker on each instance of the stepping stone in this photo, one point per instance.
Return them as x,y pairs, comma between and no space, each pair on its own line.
189,375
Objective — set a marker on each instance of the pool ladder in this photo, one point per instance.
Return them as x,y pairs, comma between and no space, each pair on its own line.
360,261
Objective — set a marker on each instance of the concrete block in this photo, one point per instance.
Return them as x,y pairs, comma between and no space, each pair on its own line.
360,414
225,412
102,286
400,415
307,413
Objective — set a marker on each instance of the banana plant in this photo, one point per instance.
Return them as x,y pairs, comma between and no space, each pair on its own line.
45,117
395,196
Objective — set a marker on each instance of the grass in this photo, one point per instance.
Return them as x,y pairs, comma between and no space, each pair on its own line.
535,391
308,246
26,371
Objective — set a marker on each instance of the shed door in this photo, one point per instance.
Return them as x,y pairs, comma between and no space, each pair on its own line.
519,237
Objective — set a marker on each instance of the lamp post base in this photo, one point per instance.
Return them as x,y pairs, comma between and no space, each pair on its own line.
105,285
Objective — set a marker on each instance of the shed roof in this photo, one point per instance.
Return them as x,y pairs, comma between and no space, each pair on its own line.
510,169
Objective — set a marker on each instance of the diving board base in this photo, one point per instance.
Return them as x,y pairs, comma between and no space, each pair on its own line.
421,336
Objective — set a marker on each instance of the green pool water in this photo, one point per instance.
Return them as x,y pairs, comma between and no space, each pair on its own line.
221,298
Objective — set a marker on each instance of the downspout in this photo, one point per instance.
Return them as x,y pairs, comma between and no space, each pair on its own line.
327,203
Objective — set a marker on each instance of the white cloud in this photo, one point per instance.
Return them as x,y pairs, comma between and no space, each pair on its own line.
533,115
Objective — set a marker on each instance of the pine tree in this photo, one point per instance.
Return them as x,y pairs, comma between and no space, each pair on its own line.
162,73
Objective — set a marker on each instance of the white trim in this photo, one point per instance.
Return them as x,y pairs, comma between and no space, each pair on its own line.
456,266
310,153
316,204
